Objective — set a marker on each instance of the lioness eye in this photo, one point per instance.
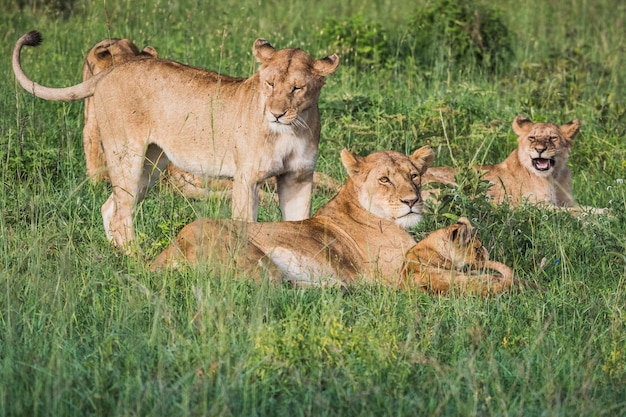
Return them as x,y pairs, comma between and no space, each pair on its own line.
414,176
295,88
384,180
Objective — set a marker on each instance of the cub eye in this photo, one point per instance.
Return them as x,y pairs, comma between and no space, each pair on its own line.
296,88
552,139
269,84
415,176
532,138
384,180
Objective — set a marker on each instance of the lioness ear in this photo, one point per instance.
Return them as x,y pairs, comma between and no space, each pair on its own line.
423,158
571,129
350,161
102,51
462,233
521,125
326,66
262,50
150,51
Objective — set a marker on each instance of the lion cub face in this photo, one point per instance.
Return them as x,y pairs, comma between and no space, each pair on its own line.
465,249
544,147
291,81
109,52
389,183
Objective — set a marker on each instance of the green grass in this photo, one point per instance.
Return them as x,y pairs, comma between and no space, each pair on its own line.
87,331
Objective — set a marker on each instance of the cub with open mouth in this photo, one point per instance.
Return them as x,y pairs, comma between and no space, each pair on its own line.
536,171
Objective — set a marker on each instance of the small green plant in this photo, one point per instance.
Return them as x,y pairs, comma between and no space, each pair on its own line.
359,42
468,32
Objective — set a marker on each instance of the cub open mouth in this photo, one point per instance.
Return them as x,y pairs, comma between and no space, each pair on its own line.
542,164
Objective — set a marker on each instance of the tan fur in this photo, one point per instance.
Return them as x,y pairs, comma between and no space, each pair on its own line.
360,233
519,178
109,52
438,263
100,57
153,111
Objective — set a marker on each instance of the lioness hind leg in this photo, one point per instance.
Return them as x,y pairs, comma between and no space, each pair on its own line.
117,216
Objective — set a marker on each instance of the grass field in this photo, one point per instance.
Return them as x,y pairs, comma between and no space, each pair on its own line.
85,330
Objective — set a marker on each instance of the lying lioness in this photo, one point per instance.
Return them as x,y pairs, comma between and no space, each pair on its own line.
453,259
536,171
153,111
360,233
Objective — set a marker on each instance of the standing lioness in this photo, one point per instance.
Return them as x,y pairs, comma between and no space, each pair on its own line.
154,111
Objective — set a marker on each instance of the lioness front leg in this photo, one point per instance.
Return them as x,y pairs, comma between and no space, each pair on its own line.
245,204
294,195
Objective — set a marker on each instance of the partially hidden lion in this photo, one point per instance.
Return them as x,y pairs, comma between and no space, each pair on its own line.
100,57
535,172
359,234
153,111
453,259
112,51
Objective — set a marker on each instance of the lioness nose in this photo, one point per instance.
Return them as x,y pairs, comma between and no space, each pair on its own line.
410,201
277,115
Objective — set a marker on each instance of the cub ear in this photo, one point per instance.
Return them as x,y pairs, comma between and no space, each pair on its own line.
150,51
521,125
262,50
571,129
326,66
351,162
423,158
462,233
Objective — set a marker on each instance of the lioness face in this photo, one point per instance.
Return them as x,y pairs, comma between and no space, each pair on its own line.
109,52
544,147
466,248
389,183
291,81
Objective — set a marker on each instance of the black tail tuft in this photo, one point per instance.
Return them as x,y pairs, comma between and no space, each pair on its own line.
33,38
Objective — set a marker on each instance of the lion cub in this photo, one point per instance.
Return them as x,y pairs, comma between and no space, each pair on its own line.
360,233
536,171
453,259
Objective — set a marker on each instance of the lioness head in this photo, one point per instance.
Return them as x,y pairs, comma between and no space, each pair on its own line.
109,52
388,183
544,147
291,81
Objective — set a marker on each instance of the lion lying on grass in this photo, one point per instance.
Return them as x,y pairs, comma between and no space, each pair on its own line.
360,234
452,259
536,171
153,111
